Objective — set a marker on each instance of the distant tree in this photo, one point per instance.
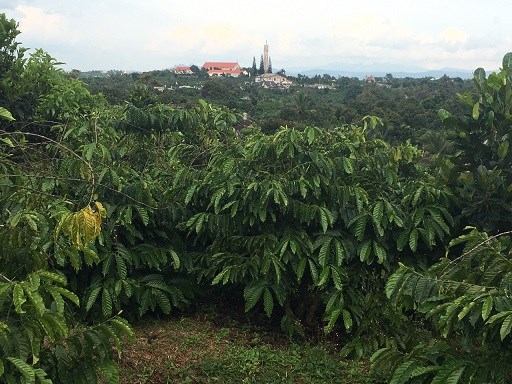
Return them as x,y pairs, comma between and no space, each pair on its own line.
222,91
302,103
203,73
269,65
75,73
261,71
195,69
327,79
140,96
254,69
282,72
11,60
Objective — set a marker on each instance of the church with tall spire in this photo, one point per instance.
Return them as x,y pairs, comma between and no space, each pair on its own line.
265,63
266,58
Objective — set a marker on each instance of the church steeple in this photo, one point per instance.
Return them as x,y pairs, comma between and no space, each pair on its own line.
266,58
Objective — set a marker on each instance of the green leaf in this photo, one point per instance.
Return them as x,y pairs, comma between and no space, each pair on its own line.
402,373
189,194
18,296
391,284
143,214
52,276
417,195
313,270
301,267
323,254
303,189
220,276
455,376
420,371
360,227
507,61
348,167
311,135
88,151
402,240
106,302
7,141
498,316
90,256
378,213
31,222
347,319
326,218
333,317
487,307
5,114
503,149
110,371
324,275
92,298
67,294
336,278
413,240
380,252
364,252
339,251
175,259
443,114
465,310
268,302
162,300
506,327
26,370
476,111
252,295
121,265
122,326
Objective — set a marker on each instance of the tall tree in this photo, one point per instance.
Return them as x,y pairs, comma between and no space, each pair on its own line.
11,58
254,70
261,71
269,65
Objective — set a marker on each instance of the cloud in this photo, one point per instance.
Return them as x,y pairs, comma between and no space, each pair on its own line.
455,36
213,40
300,33
38,25
7,4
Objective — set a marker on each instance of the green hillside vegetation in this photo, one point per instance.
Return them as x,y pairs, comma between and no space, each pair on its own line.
407,106
374,219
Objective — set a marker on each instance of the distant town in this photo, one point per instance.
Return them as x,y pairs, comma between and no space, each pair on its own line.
262,75
267,78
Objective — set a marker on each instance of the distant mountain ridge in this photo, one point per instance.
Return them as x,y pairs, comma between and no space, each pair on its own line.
450,72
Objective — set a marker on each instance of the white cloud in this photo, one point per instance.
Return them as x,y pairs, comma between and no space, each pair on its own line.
210,39
151,33
38,25
7,4
455,36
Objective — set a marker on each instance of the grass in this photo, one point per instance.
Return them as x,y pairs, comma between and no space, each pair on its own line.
206,348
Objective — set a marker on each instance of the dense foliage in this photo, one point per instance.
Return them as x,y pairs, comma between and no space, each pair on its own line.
407,106
111,212
464,298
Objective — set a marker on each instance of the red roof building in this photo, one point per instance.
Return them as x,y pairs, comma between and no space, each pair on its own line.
182,69
217,68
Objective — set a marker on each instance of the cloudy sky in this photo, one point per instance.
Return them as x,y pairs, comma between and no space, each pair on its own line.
387,35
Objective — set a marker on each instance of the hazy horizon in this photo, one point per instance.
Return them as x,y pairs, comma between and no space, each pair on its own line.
344,35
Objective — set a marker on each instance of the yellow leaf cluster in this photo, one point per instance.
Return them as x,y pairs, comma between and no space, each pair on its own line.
83,226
